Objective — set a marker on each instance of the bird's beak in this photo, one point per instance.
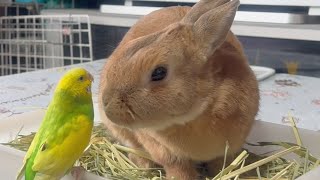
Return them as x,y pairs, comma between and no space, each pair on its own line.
90,77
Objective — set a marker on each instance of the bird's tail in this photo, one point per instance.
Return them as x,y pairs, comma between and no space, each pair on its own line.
21,172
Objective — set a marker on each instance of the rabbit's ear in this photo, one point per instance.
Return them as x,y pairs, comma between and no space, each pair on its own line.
211,27
200,8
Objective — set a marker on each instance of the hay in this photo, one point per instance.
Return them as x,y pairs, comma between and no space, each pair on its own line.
105,157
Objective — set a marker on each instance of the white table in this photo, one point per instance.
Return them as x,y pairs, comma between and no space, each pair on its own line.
30,91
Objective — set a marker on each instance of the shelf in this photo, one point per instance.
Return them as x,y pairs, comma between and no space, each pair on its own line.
309,32
253,2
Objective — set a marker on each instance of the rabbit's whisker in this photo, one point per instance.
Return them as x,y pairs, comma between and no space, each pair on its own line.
131,114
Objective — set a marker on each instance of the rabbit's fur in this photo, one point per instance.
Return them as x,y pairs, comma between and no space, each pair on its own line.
209,96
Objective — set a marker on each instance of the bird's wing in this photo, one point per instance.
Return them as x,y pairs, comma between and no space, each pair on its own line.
27,156
33,145
62,148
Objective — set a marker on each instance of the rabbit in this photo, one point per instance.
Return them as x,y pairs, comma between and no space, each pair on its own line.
179,87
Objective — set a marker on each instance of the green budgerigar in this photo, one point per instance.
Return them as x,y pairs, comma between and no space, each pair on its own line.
65,130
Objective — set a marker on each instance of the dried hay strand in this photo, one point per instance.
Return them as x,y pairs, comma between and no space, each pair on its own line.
107,158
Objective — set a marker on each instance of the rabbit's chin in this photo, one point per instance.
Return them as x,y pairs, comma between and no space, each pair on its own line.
162,123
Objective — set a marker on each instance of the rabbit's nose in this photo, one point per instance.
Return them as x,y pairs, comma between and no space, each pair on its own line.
123,97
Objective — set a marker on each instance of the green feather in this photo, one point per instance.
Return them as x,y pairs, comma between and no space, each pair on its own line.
57,123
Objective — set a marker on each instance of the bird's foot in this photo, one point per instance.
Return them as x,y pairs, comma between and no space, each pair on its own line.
77,172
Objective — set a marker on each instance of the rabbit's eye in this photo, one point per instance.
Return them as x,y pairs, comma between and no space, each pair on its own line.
159,73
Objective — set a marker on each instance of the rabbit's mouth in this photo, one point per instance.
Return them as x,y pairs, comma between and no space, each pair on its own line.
121,114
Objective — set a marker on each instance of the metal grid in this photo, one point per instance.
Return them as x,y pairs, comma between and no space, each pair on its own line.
29,43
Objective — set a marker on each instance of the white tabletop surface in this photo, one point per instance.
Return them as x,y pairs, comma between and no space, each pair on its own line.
30,91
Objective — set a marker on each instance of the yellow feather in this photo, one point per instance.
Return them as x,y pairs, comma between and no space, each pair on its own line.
52,160
58,160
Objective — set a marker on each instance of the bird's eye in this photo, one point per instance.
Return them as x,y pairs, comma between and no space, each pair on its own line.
159,74
81,78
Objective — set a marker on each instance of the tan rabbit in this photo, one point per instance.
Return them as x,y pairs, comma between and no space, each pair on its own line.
179,87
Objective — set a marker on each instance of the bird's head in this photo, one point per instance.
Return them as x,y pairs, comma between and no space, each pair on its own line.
76,82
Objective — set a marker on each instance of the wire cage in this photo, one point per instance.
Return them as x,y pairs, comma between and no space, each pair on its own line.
29,43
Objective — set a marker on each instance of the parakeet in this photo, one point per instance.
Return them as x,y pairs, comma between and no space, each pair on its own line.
65,130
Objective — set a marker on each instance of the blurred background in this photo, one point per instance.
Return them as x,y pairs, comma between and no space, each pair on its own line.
283,35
